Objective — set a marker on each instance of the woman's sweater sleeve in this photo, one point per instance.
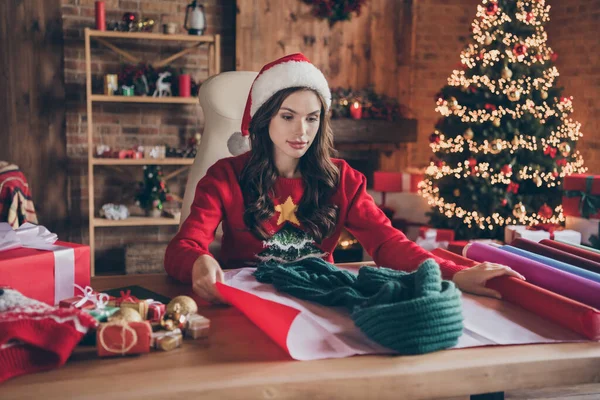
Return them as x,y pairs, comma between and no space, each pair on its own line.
198,230
388,246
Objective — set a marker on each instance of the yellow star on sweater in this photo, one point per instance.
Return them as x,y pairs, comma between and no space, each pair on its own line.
287,212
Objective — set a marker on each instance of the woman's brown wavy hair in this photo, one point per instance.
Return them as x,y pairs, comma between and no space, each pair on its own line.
319,173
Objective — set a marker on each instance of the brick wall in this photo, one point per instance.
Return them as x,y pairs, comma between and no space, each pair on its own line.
122,125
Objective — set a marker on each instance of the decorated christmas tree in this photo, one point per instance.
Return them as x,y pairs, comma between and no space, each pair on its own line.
153,189
289,244
505,139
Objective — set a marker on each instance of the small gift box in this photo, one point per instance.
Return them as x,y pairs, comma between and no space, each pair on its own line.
581,196
77,302
407,181
197,327
540,232
586,227
430,238
124,296
141,306
102,314
156,310
121,338
87,300
167,340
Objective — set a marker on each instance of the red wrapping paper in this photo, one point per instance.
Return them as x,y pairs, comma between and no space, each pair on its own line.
123,338
31,271
556,254
576,251
457,246
571,314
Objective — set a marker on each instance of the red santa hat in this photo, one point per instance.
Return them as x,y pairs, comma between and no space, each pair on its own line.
35,336
294,70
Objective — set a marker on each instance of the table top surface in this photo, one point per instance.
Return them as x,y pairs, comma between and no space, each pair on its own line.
239,361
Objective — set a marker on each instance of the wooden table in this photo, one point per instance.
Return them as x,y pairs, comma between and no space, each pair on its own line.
241,362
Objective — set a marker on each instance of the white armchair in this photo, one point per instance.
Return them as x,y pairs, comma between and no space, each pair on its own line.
222,98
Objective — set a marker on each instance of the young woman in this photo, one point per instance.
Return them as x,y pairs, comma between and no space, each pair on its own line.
286,199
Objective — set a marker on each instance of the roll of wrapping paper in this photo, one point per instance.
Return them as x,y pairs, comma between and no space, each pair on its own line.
555,280
584,273
556,254
580,246
566,312
588,255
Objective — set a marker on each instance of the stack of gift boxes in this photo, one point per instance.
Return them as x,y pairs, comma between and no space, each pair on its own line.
581,206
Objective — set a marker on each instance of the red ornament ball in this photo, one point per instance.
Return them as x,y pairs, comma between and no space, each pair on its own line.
434,138
503,202
128,17
554,57
491,8
507,169
520,50
472,162
529,17
545,211
555,174
490,107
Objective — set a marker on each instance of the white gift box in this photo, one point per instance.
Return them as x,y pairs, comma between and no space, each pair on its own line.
512,232
586,227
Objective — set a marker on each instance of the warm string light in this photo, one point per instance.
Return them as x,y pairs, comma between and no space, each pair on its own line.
526,85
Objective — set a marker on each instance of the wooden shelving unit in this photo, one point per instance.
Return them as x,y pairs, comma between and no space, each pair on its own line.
103,37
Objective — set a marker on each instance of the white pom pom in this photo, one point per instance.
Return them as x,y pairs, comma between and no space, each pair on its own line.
238,144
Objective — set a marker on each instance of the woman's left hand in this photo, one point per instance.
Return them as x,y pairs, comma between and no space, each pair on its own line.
473,280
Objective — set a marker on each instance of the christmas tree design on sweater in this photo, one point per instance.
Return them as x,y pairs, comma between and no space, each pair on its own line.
290,243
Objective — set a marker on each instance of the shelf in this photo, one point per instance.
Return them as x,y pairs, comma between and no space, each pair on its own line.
144,99
136,221
151,36
143,161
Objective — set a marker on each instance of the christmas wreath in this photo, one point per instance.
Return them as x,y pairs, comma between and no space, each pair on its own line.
335,10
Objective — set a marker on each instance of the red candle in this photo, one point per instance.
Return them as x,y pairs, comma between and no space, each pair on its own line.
356,110
185,85
100,16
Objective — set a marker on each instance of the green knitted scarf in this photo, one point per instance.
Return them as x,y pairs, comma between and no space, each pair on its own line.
411,313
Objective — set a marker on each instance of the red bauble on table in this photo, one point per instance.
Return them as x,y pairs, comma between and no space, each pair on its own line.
545,211
491,8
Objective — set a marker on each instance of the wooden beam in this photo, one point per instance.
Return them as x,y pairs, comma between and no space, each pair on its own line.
162,63
117,50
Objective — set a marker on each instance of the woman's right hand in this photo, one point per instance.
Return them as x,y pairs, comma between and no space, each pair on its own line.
206,272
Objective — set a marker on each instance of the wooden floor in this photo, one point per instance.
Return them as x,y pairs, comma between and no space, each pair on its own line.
581,392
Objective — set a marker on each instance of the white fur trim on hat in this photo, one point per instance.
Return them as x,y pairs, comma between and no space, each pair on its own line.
238,144
286,75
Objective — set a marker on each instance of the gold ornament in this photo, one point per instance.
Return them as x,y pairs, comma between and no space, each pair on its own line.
519,211
456,192
514,95
544,94
496,146
488,40
564,149
468,134
538,181
173,320
182,304
506,73
496,122
126,314
515,141
452,102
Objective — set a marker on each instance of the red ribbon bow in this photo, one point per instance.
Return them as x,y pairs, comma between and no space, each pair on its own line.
550,228
126,297
550,151
513,187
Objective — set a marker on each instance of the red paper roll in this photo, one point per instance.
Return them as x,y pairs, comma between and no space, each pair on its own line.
571,314
185,85
100,16
576,251
556,254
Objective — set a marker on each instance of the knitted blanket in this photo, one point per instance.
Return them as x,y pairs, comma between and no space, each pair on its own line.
411,313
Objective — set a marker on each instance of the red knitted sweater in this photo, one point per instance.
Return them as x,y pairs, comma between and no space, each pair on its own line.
219,198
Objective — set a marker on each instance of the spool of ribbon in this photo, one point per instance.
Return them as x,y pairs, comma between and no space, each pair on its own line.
550,228
589,204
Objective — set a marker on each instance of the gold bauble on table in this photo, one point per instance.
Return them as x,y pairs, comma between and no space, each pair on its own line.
127,315
514,95
182,304
519,210
544,95
468,134
496,146
564,148
506,73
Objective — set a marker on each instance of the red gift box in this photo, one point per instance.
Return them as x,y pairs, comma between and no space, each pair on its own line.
46,275
156,310
441,235
397,181
573,186
123,338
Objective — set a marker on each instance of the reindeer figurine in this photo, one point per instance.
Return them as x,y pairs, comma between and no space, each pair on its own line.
163,89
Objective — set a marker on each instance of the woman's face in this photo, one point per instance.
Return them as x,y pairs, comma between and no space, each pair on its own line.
294,127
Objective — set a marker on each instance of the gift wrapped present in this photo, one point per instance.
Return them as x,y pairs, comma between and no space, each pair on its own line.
197,326
141,306
581,197
587,227
35,263
407,181
166,340
86,299
121,338
430,238
124,296
540,232
156,310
